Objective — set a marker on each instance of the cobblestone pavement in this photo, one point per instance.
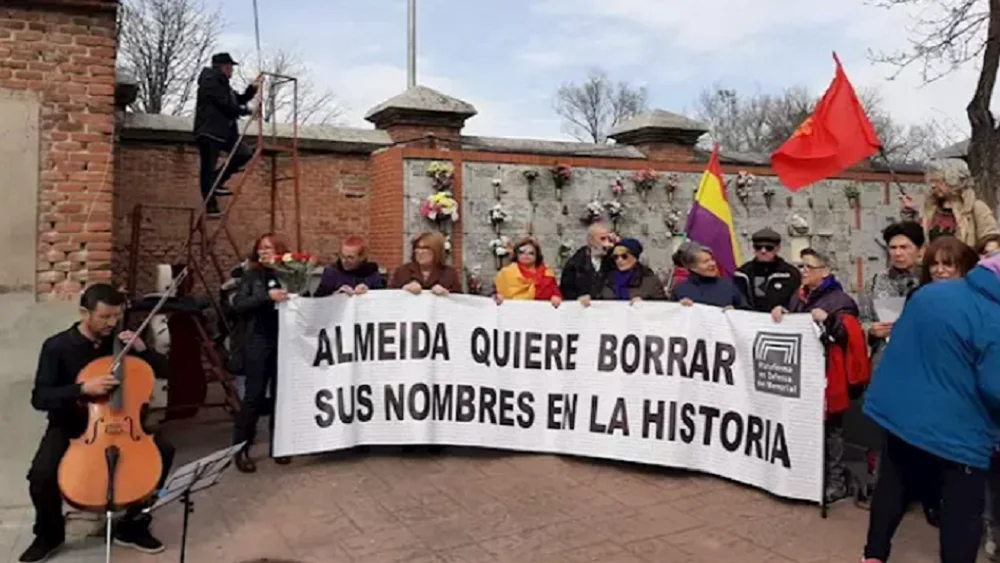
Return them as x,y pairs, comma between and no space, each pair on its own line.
486,506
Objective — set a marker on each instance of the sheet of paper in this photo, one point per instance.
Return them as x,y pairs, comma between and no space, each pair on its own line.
888,309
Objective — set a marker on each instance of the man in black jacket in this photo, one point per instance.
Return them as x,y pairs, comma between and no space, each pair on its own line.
56,391
216,111
583,274
767,281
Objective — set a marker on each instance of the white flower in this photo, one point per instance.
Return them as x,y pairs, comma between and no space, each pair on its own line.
496,182
286,257
498,214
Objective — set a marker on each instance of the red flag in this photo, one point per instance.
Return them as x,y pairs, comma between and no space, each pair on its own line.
835,137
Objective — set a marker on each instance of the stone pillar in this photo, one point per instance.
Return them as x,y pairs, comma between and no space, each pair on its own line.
419,113
661,135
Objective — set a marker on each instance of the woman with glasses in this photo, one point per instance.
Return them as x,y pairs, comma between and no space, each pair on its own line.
527,278
704,285
427,268
630,280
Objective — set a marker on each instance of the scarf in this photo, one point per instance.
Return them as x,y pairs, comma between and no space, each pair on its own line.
991,263
517,282
621,282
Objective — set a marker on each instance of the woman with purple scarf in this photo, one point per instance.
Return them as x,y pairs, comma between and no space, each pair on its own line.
631,280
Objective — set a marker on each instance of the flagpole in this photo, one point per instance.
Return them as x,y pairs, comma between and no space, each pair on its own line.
411,44
892,173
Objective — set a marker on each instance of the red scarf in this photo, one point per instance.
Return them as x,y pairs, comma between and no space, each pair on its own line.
544,281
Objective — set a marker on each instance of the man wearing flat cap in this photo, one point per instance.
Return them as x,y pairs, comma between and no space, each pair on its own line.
767,281
217,108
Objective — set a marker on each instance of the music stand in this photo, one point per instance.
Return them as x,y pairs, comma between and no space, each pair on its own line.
191,478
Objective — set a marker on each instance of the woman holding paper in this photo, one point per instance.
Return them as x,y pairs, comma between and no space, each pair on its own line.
528,278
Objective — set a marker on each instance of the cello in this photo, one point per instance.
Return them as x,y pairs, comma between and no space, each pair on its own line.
114,464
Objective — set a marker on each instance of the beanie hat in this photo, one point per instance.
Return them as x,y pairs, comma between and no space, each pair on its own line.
632,245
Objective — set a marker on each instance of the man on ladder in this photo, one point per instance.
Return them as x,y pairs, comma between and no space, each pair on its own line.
216,111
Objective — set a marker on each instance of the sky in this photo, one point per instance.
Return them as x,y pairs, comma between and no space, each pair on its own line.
508,57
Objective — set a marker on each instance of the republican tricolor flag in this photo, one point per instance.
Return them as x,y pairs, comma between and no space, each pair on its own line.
710,221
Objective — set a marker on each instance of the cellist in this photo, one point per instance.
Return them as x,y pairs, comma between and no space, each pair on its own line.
56,391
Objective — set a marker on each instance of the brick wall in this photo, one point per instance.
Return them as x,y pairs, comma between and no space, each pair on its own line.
334,200
65,52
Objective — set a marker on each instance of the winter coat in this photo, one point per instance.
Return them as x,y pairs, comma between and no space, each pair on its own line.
645,285
256,331
777,280
218,106
579,277
973,218
446,276
717,292
937,386
830,297
334,277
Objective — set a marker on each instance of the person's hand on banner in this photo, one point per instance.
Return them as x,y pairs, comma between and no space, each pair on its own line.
728,308
686,302
413,287
346,290
277,295
584,300
439,290
498,299
556,301
634,300
778,313
360,289
881,329
819,315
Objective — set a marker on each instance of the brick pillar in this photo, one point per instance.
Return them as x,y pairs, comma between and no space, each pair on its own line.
661,135
64,51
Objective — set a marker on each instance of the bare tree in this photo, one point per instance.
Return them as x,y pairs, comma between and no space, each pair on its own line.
164,44
948,35
315,106
760,123
591,109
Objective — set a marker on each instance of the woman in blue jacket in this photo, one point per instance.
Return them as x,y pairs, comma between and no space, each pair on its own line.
936,393
703,284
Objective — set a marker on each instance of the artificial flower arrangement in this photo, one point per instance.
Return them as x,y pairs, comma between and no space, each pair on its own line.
561,175
530,176
853,193
615,209
644,181
501,248
593,212
473,282
294,269
439,207
498,215
617,188
672,184
672,220
443,174
744,184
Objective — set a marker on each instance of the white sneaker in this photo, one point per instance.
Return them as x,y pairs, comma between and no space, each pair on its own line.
991,542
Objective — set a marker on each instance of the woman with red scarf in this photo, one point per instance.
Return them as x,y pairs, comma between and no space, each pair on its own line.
527,278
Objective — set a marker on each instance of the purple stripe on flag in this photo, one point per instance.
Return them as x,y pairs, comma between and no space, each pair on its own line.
707,229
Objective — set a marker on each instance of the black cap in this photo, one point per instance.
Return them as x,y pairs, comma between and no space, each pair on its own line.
223,59
767,236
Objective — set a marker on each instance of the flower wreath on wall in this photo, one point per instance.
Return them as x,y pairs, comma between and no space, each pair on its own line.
441,207
644,181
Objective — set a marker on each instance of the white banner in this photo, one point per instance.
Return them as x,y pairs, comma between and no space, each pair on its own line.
728,393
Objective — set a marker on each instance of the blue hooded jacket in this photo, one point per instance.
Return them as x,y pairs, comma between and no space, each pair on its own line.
938,384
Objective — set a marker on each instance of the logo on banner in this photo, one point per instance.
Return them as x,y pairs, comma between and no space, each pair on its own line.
777,364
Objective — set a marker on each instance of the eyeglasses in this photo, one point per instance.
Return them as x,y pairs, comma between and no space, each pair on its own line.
764,247
809,267
526,251
422,248
621,256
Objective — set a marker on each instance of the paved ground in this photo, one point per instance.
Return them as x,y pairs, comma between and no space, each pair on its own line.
461,506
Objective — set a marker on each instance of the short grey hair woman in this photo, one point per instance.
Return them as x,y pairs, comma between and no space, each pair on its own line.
704,285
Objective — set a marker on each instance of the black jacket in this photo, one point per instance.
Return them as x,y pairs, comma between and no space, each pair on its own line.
255,332
219,106
644,284
62,358
779,282
579,277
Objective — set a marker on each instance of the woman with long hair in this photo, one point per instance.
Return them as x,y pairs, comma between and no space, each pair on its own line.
528,277
257,349
945,258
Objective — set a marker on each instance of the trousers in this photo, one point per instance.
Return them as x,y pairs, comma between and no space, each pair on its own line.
43,482
209,150
261,371
908,473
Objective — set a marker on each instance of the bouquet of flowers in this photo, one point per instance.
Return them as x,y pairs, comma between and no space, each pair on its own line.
565,251
617,187
443,173
500,246
561,175
744,184
673,182
498,215
439,207
294,269
593,212
615,209
644,181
